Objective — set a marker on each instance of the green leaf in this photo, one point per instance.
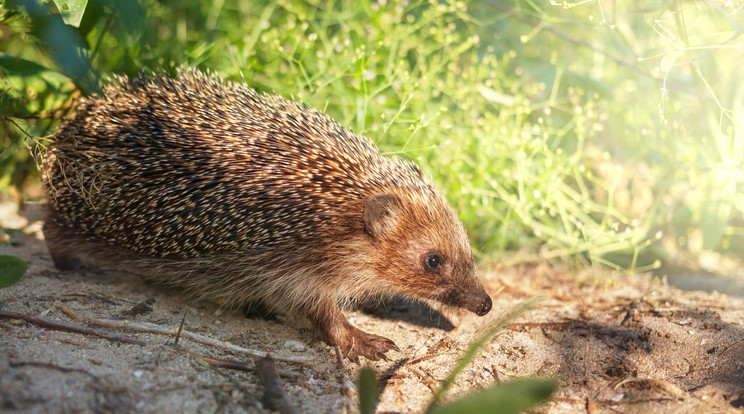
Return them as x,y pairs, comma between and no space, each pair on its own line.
27,88
510,398
65,43
71,10
367,386
17,66
12,269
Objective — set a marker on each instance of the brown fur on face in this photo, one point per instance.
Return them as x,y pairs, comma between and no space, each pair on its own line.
453,282
209,186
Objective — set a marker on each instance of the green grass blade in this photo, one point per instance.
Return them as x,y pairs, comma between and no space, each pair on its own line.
367,387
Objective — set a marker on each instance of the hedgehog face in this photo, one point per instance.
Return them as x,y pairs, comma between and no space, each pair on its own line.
423,256
453,281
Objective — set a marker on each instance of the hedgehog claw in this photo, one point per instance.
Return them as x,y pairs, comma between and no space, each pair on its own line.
372,347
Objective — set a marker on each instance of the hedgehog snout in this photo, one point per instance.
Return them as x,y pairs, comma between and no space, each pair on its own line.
477,302
484,307
469,295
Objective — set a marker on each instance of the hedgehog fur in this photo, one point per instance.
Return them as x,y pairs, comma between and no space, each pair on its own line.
212,187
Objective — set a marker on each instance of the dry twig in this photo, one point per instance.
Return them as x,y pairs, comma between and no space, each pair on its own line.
50,366
61,326
274,397
423,377
661,384
558,326
180,329
161,330
222,363
64,327
731,347
427,357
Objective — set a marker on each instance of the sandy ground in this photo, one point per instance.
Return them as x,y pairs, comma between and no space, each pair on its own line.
617,343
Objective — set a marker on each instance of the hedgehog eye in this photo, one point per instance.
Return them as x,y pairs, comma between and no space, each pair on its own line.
433,262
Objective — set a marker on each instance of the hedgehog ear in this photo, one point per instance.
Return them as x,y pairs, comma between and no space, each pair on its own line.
379,214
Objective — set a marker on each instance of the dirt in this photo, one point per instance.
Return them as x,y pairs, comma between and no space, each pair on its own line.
616,342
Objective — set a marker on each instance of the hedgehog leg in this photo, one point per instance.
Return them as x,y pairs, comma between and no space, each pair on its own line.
59,246
64,261
259,310
352,341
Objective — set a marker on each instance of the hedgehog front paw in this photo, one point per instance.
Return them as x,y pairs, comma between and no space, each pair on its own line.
352,341
359,343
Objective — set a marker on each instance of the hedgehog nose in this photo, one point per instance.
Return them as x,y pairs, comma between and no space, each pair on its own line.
484,307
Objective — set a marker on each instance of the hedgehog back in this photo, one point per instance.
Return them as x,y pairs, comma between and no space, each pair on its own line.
191,165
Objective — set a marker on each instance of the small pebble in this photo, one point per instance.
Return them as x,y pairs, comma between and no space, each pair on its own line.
294,345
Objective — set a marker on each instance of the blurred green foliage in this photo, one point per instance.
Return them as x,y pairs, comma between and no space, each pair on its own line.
584,131
12,269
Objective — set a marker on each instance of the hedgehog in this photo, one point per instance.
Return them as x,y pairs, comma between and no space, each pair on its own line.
224,192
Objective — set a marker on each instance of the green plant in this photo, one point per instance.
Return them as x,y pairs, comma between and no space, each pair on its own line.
45,63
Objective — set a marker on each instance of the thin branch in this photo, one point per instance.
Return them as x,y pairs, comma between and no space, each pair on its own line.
61,326
427,357
275,396
731,347
431,383
51,366
17,126
664,385
180,329
64,327
223,363
161,330
558,326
